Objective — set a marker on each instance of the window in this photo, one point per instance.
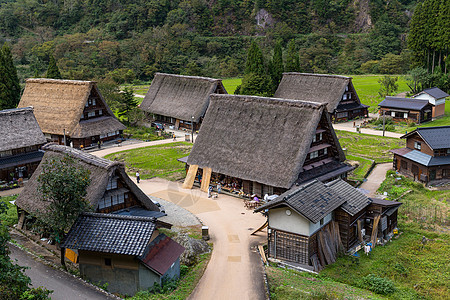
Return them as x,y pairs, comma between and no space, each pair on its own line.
108,262
93,101
314,154
325,151
448,151
104,202
90,101
344,97
392,113
417,145
404,165
445,173
87,104
342,115
102,136
100,112
91,114
112,184
405,115
349,96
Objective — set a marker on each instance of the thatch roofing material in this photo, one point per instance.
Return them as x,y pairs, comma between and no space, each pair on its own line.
327,89
59,104
254,138
19,129
96,126
101,170
181,97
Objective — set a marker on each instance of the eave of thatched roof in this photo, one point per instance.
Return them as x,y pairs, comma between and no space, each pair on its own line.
96,126
101,170
254,138
59,104
19,129
320,88
181,97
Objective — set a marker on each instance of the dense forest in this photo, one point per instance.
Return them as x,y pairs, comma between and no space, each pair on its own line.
128,41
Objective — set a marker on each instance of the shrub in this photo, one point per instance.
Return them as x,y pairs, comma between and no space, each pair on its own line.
379,285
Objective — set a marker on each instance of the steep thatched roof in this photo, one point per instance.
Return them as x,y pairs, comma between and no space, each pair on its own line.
101,170
19,129
181,97
322,88
59,104
254,138
96,126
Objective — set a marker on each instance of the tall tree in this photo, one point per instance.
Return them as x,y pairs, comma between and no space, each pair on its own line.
255,60
63,185
9,82
292,58
128,103
277,67
53,70
388,86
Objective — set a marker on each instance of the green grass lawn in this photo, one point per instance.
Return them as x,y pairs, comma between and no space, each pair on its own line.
155,161
230,84
290,284
10,217
144,133
369,146
363,167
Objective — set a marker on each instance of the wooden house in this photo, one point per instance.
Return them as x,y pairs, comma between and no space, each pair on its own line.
436,97
337,92
110,191
426,156
20,144
257,145
310,224
406,109
126,252
71,110
179,100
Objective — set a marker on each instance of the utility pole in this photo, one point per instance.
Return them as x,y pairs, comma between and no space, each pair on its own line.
64,132
384,120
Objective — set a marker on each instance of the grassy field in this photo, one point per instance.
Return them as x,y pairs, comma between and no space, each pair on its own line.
290,284
10,217
230,84
155,161
369,146
143,133
363,167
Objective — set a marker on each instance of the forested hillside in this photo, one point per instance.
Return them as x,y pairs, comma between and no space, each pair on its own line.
128,40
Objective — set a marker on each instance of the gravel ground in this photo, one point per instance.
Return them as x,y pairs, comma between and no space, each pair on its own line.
176,215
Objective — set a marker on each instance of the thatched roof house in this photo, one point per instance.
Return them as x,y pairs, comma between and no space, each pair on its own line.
73,107
179,99
267,143
337,92
111,190
20,143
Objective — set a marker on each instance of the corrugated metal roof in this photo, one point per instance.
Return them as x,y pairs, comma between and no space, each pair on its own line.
161,254
110,233
418,157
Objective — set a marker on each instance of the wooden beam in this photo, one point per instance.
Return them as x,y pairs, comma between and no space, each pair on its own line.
260,228
190,177
360,237
206,179
373,238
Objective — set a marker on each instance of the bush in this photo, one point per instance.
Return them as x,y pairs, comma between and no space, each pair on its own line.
379,285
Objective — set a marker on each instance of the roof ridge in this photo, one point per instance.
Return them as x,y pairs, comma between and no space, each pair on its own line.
318,75
212,80
59,81
272,100
119,217
78,154
11,111
401,98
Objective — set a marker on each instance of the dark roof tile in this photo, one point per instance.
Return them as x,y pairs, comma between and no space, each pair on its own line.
403,103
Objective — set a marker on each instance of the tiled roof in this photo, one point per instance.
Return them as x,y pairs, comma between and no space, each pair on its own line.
313,200
110,233
161,254
437,137
355,200
436,93
403,103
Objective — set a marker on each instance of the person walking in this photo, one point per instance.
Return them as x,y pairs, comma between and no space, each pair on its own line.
210,191
174,137
138,176
219,188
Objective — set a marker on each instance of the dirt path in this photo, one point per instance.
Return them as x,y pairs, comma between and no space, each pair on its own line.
348,126
235,270
375,178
